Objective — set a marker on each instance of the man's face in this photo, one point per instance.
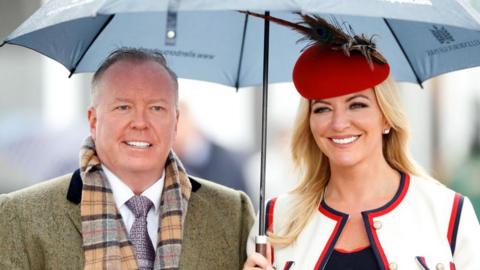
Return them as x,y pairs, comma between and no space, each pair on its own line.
134,120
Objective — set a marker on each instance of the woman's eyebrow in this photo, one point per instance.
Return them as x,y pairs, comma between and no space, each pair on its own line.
320,101
357,96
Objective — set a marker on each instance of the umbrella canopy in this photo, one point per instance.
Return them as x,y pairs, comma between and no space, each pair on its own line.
208,40
424,38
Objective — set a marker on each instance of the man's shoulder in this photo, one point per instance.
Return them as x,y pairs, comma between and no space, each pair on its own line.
39,194
213,191
220,199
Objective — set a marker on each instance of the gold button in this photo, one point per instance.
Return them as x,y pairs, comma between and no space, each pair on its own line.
377,225
392,266
439,266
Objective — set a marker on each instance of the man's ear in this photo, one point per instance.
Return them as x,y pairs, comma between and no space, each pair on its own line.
177,117
92,121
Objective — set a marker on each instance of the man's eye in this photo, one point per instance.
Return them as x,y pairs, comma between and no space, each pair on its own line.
320,109
358,105
157,108
123,107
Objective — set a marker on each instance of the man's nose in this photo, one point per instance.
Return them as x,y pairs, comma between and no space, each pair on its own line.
139,119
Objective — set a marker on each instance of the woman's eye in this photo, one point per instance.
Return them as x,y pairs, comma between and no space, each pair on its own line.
320,109
358,105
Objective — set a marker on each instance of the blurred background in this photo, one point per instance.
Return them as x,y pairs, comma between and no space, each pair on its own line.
43,123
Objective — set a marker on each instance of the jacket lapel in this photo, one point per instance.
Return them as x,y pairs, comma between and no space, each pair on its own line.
203,234
196,223
201,218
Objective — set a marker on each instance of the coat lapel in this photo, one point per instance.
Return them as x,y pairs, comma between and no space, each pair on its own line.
204,233
196,223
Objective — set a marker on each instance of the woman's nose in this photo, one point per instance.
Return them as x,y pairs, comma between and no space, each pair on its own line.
340,120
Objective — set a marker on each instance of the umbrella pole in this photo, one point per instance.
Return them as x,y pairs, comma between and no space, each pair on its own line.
261,239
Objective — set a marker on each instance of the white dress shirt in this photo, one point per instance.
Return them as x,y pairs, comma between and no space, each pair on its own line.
122,193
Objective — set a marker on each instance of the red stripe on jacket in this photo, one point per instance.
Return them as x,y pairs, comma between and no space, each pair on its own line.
269,220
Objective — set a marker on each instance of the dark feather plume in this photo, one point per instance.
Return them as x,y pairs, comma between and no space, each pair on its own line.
319,31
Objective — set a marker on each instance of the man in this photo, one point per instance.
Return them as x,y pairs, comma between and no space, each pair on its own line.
131,204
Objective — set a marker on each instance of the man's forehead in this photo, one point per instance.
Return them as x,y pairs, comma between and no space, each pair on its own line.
127,78
130,66
120,96
136,72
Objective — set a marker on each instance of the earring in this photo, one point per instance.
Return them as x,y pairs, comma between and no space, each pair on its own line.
386,131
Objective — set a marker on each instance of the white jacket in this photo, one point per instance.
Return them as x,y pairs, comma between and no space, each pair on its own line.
425,226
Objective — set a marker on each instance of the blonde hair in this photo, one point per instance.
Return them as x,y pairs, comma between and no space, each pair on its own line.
314,166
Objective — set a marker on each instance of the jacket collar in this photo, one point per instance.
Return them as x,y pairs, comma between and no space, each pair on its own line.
74,193
368,219
388,207
204,218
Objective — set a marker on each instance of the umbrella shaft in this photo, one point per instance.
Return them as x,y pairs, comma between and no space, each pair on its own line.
266,45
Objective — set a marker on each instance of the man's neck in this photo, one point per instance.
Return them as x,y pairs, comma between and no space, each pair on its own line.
138,182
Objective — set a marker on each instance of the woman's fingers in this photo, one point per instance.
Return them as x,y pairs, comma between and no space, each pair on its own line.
257,261
269,252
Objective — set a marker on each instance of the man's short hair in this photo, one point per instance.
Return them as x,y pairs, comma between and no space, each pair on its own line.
132,54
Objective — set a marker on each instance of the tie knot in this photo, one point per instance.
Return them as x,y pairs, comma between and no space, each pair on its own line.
139,205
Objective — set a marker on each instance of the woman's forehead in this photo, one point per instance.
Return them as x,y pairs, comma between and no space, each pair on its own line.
367,94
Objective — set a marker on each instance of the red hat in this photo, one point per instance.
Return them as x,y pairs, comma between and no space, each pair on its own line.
323,72
338,63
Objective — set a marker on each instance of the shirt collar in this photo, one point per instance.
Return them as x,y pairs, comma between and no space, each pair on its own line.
122,193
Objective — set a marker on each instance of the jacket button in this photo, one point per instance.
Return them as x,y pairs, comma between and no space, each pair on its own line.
439,266
392,266
377,225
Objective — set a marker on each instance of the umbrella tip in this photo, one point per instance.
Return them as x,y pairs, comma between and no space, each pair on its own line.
71,72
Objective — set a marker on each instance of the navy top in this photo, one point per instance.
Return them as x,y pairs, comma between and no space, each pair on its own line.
357,260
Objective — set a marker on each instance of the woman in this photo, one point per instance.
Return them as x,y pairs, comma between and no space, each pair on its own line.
362,203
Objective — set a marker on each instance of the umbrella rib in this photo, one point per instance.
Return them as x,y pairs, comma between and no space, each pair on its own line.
403,51
91,43
237,82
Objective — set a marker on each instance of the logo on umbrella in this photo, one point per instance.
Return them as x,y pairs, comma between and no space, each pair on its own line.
414,2
442,35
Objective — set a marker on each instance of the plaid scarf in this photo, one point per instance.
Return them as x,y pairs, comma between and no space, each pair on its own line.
105,239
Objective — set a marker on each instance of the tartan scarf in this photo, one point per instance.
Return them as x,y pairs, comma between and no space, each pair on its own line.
105,239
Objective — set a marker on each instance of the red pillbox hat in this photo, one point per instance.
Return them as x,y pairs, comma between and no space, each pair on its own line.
323,72
337,62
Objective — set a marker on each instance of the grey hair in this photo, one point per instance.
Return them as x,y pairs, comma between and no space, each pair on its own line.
132,54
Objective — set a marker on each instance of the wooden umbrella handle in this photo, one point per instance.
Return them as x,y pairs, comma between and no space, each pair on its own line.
261,245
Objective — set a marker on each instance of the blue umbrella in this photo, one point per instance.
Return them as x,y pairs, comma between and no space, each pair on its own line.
420,38
207,40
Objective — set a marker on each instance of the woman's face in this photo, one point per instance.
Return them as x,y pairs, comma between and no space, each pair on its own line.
348,129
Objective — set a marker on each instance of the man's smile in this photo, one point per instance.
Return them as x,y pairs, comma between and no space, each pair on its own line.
138,144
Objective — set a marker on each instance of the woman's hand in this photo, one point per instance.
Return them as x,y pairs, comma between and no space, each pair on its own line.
256,261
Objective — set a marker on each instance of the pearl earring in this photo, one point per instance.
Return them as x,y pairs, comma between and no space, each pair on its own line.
386,131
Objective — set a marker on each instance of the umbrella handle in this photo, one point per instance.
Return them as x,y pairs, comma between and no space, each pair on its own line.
261,245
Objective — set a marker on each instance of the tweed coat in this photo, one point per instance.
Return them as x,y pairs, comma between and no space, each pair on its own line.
40,226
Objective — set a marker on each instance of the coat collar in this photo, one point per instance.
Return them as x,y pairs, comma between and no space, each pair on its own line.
388,207
203,218
74,193
368,219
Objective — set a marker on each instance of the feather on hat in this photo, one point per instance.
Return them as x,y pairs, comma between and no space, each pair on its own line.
334,63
